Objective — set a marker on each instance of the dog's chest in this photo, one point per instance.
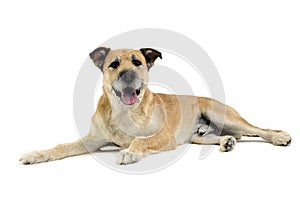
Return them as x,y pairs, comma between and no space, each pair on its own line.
137,124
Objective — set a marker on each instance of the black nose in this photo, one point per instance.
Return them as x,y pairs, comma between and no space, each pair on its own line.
127,75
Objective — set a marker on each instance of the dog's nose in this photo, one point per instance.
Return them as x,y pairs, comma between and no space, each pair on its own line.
127,75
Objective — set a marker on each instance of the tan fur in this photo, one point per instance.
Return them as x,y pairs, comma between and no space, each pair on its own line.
157,122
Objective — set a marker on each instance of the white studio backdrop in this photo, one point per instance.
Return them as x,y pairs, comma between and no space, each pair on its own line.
255,46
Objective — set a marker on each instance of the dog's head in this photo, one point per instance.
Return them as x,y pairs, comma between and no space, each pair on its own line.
125,71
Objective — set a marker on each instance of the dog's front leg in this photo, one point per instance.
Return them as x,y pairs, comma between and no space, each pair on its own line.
87,144
141,146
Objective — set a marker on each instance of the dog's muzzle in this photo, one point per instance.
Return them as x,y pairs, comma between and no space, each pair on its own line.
128,87
128,95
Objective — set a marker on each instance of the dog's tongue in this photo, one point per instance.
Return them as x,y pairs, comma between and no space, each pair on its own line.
129,96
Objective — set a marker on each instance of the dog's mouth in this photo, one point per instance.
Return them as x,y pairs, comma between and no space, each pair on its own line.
128,95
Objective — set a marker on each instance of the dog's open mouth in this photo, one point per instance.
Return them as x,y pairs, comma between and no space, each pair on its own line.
128,95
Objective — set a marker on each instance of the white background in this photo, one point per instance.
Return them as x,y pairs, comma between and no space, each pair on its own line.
254,44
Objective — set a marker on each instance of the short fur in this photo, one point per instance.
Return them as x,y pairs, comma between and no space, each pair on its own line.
142,122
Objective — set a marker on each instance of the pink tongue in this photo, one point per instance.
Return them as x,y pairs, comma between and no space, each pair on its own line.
129,100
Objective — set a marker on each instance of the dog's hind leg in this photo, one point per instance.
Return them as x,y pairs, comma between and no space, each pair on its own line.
238,126
226,142
231,123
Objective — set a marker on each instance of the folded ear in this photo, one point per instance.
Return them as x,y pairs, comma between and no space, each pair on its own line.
98,56
150,56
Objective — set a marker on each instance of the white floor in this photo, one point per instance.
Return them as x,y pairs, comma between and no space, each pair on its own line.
252,170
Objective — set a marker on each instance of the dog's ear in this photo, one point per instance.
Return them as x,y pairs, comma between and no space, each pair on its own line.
98,56
150,56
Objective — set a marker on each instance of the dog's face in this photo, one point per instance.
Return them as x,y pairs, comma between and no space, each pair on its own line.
125,71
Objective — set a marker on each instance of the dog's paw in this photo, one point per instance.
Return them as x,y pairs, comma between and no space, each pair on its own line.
227,143
281,138
34,157
127,157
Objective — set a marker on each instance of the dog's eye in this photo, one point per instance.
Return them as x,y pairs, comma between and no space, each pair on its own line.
114,64
136,62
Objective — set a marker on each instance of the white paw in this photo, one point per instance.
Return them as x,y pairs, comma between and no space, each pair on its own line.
227,143
281,138
126,157
34,157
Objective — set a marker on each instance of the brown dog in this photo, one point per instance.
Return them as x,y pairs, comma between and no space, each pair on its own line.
132,117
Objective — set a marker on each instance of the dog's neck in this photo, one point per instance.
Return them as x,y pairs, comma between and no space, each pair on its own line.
129,118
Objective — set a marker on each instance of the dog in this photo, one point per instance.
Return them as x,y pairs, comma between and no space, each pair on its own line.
141,122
